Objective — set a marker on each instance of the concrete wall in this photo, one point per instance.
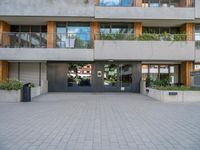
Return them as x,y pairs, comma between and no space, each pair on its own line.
144,13
182,96
143,50
43,54
47,8
197,9
28,72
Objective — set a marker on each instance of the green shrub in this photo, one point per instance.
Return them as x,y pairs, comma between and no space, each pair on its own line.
149,37
11,85
177,88
180,37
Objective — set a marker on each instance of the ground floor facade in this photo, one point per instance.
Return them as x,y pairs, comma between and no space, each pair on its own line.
95,76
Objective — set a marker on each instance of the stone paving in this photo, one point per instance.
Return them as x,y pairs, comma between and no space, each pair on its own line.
99,121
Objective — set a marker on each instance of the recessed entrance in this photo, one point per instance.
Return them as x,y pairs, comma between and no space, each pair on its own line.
118,77
96,76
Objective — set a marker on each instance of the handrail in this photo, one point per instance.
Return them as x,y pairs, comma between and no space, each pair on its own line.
144,37
39,40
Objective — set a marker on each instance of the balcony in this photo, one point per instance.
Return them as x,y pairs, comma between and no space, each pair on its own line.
146,47
33,46
126,9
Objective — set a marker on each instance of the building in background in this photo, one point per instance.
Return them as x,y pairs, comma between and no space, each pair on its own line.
99,45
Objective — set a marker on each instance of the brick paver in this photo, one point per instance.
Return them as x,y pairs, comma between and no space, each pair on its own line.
102,121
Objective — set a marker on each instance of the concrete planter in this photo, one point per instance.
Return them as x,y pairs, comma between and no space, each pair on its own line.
35,91
174,96
10,96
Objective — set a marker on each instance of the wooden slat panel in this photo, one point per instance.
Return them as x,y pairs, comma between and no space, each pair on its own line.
51,34
186,69
138,3
95,27
3,70
138,29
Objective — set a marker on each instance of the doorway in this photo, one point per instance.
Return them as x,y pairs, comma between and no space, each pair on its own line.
118,77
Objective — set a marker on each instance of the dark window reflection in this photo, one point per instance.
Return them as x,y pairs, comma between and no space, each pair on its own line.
79,75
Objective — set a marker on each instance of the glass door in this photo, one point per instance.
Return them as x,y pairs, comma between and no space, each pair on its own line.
117,77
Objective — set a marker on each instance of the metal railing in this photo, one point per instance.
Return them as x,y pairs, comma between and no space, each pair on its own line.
144,37
73,40
23,40
40,40
148,3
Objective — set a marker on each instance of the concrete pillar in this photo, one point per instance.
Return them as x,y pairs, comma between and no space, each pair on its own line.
185,74
51,34
95,28
138,29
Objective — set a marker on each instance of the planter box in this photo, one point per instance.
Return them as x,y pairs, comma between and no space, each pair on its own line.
35,91
174,96
10,96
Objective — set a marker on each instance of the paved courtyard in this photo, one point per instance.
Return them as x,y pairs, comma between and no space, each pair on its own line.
101,121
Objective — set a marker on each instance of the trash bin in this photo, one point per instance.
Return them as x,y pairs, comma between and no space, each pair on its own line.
26,93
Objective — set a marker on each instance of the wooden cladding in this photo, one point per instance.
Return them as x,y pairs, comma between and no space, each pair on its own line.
138,29
51,36
4,38
188,30
95,28
138,3
3,70
186,69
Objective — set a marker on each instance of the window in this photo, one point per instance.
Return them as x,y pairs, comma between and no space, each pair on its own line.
116,28
73,35
161,72
124,3
160,30
196,67
197,36
28,36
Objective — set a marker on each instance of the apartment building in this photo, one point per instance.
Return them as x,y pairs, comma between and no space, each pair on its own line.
98,45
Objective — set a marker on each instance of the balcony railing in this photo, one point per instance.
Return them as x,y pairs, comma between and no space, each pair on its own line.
144,37
23,40
73,40
146,3
40,40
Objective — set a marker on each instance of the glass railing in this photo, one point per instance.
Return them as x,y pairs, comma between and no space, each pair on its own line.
39,40
23,40
145,3
73,40
144,37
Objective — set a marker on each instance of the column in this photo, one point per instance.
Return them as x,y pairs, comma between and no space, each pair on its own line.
95,27
51,34
138,29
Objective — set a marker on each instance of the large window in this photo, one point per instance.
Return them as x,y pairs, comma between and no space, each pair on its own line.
124,3
116,28
79,75
164,3
73,35
197,36
28,36
161,72
160,30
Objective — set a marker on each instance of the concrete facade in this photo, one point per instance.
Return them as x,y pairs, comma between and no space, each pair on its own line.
144,13
46,8
144,50
46,54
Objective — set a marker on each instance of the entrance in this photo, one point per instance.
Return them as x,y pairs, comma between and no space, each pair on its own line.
118,77
95,76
